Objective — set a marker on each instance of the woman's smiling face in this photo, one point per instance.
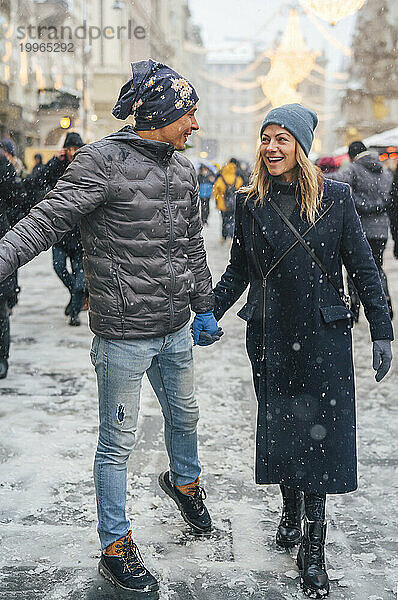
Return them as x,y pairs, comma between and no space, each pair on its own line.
278,151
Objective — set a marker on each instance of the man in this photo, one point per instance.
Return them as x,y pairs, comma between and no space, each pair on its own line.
225,187
12,199
70,246
370,185
38,163
137,203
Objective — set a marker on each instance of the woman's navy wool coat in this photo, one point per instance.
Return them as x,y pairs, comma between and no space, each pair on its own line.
299,336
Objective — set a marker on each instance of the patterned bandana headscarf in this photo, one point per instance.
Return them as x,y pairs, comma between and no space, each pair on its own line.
156,96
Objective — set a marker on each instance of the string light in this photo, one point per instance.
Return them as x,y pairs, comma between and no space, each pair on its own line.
328,36
290,64
335,74
23,68
333,10
230,83
58,82
326,84
40,80
8,52
244,110
195,49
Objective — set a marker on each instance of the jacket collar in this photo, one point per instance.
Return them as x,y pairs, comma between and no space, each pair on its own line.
277,234
160,152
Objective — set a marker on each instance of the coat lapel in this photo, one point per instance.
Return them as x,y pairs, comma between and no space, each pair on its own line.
277,234
268,221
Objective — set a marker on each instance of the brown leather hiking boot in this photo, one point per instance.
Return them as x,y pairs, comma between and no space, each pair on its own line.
122,564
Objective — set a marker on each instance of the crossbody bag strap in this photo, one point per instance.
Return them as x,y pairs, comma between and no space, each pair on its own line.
345,299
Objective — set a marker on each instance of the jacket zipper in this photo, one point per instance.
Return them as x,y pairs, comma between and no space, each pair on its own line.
264,283
124,301
172,272
264,277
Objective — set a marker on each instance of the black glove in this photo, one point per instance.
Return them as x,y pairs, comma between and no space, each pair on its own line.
382,357
206,339
396,249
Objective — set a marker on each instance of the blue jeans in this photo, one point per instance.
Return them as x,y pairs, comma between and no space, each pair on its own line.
74,281
120,366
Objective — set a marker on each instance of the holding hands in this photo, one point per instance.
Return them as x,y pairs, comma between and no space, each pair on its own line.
205,329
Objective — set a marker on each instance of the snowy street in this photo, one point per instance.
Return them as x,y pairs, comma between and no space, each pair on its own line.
49,547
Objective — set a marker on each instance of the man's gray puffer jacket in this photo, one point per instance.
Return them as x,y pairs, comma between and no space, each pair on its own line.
136,202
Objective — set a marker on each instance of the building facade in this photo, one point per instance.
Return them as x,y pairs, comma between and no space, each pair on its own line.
370,104
228,129
63,62
144,36
18,91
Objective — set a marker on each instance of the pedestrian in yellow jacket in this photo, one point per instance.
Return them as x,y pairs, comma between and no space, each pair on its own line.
227,175
227,183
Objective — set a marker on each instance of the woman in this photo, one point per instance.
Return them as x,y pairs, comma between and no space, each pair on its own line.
299,328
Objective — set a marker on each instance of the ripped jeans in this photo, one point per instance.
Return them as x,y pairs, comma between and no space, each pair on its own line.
120,366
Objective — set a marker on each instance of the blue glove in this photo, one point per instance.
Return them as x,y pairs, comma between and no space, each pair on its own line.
204,322
382,357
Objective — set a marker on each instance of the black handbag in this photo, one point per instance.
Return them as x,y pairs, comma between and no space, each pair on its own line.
343,297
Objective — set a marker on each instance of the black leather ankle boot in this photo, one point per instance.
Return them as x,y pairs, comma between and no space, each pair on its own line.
289,530
311,560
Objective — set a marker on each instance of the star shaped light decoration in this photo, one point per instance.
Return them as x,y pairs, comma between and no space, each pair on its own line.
291,63
332,10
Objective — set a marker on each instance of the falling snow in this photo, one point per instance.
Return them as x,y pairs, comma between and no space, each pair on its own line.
47,505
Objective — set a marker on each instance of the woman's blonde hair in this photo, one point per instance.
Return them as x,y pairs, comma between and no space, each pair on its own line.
310,183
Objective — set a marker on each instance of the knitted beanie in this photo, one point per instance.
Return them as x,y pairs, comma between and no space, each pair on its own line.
297,119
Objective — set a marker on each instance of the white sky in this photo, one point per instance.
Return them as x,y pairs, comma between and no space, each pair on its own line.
225,21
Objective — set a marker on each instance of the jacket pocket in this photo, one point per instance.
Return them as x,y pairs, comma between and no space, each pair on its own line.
331,314
119,284
247,311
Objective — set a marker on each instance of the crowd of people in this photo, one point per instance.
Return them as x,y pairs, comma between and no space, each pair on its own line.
19,192
375,198
292,230
222,184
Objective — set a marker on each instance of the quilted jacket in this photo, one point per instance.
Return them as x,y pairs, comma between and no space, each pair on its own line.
136,202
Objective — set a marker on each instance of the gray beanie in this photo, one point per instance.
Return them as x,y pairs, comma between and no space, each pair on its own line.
297,119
